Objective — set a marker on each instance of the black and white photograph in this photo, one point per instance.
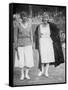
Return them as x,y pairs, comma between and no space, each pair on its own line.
37,44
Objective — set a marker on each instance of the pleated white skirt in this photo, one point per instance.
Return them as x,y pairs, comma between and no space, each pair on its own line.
25,57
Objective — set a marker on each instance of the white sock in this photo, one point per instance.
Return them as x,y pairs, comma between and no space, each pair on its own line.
26,73
46,69
22,74
42,68
41,72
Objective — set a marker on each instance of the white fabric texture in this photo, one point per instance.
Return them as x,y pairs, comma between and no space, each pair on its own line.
46,45
25,57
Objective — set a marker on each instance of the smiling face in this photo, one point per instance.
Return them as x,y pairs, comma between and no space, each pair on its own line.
45,18
25,19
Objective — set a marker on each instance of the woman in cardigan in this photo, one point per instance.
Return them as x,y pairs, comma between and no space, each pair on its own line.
23,42
47,41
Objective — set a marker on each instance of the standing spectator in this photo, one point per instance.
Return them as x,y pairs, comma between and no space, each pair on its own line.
63,42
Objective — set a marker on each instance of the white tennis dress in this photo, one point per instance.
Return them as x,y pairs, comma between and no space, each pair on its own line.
46,45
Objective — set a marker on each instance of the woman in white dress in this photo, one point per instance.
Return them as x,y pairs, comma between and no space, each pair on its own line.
45,45
48,44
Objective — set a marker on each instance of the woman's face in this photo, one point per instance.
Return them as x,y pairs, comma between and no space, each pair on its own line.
62,36
45,20
25,19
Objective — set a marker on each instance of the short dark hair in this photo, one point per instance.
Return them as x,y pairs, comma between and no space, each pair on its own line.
23,14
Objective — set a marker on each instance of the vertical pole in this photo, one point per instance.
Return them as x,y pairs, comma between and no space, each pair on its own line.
30,15
30,10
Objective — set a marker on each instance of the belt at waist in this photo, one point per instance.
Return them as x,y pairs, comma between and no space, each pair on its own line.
44,36
24,41
20,37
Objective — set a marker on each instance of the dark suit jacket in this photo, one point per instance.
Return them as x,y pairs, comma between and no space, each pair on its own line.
56,44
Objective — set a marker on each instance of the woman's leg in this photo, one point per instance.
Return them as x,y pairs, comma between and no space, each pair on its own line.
21,61
26,73
46,69
22,74
29,63
41,72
